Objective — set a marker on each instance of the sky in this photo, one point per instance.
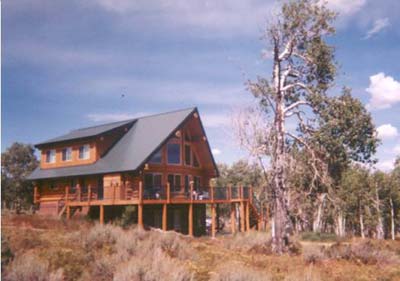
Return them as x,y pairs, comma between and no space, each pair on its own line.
76,63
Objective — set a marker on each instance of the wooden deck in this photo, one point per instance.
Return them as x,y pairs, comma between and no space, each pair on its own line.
121,195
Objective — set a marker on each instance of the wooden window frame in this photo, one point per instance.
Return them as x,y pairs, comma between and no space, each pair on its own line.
48,156
172,187
79,152
66,150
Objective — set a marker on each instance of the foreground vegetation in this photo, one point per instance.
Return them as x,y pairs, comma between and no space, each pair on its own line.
34,248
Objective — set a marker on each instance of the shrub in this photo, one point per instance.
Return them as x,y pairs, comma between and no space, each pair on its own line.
313,253
235,271
254,242
156,266
6,253
28,267
319,237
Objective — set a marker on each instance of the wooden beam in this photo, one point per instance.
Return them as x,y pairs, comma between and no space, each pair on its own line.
213,220
140,215
68,212
247,216
190,232
233,217
242,223
101,214
164,217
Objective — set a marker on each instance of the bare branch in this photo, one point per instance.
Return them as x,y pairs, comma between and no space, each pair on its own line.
295,105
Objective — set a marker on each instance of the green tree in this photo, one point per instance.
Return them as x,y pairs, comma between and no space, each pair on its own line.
17,162
303,71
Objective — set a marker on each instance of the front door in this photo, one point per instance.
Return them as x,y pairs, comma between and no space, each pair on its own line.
100,188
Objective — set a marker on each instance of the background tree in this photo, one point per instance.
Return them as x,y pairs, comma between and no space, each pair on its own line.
17,162
303,71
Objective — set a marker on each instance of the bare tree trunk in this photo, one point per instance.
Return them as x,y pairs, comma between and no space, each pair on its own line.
392,219
361,217
318,218
379,227
340,225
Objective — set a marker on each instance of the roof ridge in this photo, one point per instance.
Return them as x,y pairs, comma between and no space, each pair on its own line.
135,119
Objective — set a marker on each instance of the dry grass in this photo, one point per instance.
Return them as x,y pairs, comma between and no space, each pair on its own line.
51,250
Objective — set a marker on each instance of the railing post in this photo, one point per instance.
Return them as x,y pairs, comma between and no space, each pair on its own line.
89,193
66,194
241,191
191,191
168,192
78,189
140,192
233,217
251,195
164,217
212,192
212,220
242,222
229,192
247,216
35,194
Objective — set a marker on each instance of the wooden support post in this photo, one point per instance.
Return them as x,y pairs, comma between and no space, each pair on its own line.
68,212
140,215
168,192
140,206
213,220
164,217
35,194
101,214
217,215
78,190
212,193
190,232
229,192
247,216
233,217
251,195
242,223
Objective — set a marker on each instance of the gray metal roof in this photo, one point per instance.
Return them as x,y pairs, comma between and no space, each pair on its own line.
86,132
133,149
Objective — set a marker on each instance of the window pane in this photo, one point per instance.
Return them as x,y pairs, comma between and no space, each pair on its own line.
67,154
84,152
148,180
174,153
51,156
156,158
177,183
157,181
187,184
188,155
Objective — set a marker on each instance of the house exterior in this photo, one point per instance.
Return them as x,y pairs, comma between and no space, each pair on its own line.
161,164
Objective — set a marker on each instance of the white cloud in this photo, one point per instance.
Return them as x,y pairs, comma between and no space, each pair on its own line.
396,149
232,16
378,26
384,90
111,117
385,165
387,131
346,7
216,151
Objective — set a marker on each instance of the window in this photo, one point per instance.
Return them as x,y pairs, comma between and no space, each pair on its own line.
51,156
84,152
195,161
196,183
188,155
174,153
174,182
156,158
187,183
152,181
67,154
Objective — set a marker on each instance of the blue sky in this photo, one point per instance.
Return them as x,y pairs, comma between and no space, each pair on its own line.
65,64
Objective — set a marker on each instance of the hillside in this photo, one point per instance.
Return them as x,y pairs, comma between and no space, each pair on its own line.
34,248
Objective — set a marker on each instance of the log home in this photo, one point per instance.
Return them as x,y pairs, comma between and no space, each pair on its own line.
162,164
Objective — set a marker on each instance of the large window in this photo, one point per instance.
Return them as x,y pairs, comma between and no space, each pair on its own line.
195,161
174,182
67,154
84,151
174,153
156,158
188,155
51,156
187,183
196,182
152,181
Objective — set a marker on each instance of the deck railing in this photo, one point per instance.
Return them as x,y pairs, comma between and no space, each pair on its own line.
161,193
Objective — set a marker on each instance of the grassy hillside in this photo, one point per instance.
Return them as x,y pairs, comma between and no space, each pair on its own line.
34,248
